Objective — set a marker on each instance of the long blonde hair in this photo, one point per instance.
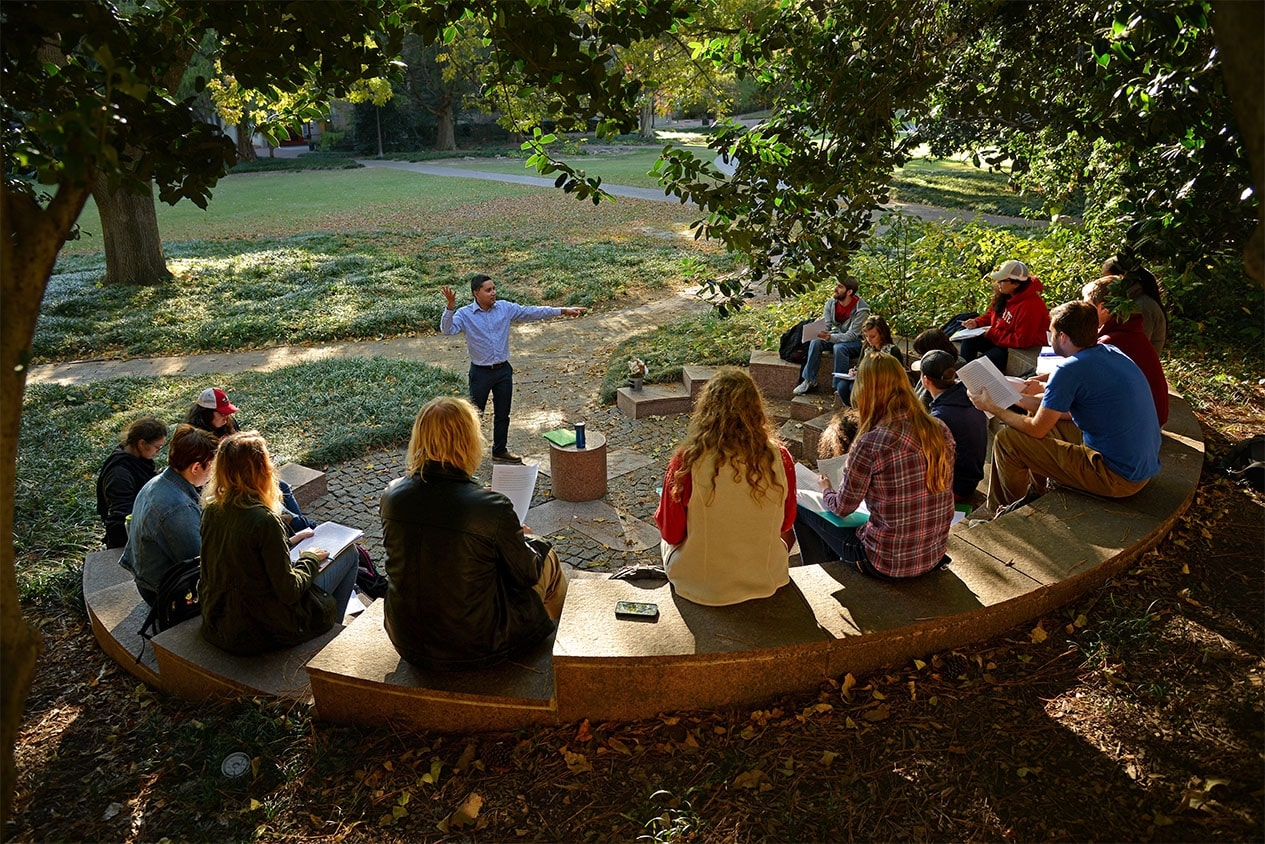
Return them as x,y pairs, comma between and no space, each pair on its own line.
729,423
446,430
882,394
243,474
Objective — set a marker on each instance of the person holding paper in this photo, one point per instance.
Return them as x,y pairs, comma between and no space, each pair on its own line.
254,599
1017,318
901,466
486,324
728,503
1108,399
968,424
843,313
877,339
467,588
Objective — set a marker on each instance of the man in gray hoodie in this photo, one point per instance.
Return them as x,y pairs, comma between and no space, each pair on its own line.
844,312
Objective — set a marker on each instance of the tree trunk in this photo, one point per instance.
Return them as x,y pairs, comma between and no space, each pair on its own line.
647,118
246,141
446,134
1238,28
129,234
30,238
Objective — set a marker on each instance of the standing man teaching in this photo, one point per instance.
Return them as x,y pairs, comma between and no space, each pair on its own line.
486,324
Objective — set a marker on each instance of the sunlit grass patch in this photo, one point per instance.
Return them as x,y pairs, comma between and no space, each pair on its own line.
321,287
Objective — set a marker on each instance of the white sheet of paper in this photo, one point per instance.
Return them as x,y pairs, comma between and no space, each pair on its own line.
517,482
1048,360
846,376
982,376
812,329
832,467
331,536
808,491
965,333
958,516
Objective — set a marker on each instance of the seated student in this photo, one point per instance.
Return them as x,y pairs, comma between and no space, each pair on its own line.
728,501
165,522
1129,337
877,339
128,468
1017,318
214,412
901,466
254,599
927,341
467,589
969,426
843,314
1144,290
1108,399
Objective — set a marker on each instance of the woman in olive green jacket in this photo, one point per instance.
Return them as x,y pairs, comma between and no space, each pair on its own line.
253,598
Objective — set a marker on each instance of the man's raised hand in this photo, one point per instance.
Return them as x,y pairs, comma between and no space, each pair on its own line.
450,297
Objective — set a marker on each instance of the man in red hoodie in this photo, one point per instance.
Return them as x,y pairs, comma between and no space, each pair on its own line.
1017,318
1129,336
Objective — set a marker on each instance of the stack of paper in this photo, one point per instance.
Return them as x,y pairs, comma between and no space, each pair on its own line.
808,495
517,482
982,376
330,536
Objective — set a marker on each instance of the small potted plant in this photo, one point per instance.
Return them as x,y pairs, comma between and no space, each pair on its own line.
636,373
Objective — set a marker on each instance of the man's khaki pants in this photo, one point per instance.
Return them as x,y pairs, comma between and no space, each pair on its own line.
1020,460
552,586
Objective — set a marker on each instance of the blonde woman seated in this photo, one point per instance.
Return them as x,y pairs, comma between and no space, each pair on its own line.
254,599
901,465
728,505
467,588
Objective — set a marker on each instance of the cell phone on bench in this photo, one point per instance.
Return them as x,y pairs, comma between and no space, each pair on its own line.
636,610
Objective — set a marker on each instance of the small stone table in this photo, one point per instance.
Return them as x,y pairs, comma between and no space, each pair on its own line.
579,474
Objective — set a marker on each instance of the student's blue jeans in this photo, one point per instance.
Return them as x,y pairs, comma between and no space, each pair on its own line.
339,577
813,362
844,353
499,382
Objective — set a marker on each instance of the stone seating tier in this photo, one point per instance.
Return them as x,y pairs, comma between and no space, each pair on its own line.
829,620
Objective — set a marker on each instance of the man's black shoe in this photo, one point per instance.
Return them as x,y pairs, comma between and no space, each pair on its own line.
506,457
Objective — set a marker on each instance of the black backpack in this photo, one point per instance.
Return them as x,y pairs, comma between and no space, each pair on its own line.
1246,462
176,601
791,348
369,581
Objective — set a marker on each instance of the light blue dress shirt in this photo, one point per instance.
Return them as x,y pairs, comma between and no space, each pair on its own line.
488,332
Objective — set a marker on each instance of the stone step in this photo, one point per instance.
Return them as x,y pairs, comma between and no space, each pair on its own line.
811,437
775,377
695,377
360,678
654,400
307,484
192,668
792,434
812,405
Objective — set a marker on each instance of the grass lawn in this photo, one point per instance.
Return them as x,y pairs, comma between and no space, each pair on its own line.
276,260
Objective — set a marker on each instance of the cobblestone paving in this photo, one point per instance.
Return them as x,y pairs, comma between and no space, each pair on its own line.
356,486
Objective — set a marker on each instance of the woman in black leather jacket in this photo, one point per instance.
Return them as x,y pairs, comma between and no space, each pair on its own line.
467,588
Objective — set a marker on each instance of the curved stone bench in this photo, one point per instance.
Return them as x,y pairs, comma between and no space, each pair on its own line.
828,621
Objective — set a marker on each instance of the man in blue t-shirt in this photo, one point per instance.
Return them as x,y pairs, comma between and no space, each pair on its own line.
1107,397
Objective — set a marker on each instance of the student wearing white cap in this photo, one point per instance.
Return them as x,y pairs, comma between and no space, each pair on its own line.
1017,318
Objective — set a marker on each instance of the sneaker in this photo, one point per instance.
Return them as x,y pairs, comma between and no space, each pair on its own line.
506,457
1015,505
805,387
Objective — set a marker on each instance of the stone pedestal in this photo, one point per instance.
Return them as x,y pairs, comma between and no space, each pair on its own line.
579,474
